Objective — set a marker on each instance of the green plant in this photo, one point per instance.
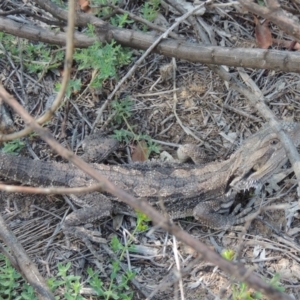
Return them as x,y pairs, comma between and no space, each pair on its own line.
149,11
37,57
142,220
115,244
14,146
69,283
104,2
275,283
261,2
228,254
74,86
141,225
60,3
104,9
152,146
11,283
8,43
122,111
13,287
120,20
104,59
242,293
123,135
118,287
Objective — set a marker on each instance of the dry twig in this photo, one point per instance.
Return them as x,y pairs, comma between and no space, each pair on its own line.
49,190
24,264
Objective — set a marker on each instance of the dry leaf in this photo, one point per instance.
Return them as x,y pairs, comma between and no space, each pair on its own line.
139,151
84,5
263,34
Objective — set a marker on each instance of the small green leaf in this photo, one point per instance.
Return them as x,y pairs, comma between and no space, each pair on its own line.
228,254
14,146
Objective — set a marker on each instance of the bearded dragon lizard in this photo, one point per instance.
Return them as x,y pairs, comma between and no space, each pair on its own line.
205,192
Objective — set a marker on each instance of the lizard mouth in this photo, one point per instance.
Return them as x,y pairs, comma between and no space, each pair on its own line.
248,181
245,182
246,185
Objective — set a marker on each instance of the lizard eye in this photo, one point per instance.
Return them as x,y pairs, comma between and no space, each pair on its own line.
274,142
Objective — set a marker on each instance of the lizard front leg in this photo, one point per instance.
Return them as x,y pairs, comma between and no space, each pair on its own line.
214,213
94,206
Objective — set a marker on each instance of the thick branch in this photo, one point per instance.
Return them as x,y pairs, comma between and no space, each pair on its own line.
237,57
39,34
24,264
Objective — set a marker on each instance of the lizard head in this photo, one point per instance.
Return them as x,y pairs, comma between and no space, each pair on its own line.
260,156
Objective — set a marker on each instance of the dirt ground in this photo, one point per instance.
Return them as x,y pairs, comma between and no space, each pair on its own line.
219,118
